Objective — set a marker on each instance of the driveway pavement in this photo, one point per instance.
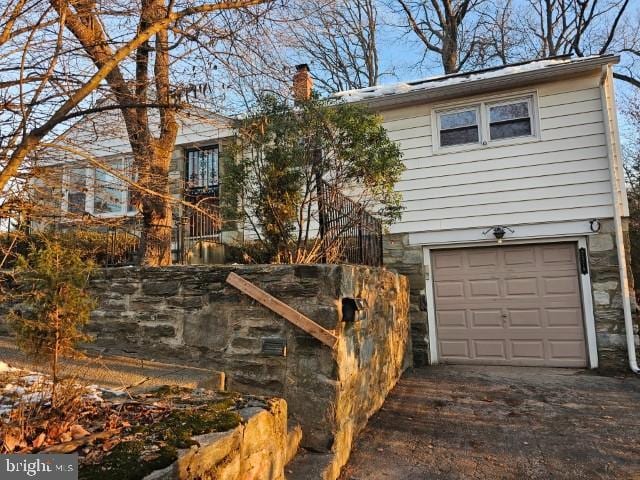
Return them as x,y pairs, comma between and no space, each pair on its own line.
459,422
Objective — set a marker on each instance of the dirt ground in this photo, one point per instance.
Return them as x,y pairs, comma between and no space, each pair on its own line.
459,422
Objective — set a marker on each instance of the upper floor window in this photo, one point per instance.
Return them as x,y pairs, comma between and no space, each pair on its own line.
459,127
485,122
202,168
509,120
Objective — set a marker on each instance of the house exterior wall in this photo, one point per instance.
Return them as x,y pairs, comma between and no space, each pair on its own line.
545,189
561,177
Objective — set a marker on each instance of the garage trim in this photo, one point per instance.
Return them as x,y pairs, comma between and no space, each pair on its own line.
585,284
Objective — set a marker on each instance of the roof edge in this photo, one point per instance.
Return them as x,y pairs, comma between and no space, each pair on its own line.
517,79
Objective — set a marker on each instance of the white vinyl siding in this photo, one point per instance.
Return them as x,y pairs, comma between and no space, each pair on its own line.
561,175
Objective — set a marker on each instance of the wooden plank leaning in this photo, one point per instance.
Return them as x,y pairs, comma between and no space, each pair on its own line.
298,319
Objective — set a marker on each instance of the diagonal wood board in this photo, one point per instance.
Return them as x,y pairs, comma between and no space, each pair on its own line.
298,319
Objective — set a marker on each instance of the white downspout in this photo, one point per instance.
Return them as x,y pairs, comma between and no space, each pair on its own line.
614,155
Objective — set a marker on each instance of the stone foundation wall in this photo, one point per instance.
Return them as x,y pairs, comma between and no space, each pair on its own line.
607,296
407,260
188,314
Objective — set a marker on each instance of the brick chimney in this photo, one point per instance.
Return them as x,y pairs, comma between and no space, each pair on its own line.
302,83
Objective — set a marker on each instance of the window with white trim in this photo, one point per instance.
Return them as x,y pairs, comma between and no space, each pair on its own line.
99,191
459,127
510,119
485,122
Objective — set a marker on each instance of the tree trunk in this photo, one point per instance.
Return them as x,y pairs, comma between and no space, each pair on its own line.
155,244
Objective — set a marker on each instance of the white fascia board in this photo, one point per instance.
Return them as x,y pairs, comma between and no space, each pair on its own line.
521,232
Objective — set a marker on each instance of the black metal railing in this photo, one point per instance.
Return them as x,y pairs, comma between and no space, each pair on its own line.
123,246
348,232
197,231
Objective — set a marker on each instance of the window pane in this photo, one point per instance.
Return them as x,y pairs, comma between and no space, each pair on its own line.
459,136
509,112
130,189
202,168
76,202
458,119
77,189
109,193
514,128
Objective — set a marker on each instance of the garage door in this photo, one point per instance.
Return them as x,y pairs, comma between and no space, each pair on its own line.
509,305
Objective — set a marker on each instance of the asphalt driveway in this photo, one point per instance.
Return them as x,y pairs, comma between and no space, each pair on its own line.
455,422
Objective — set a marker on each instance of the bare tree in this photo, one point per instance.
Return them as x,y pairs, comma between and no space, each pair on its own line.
499,37
69,60
448,28
340,39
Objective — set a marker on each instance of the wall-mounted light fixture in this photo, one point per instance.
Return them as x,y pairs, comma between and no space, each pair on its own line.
498,231
594,225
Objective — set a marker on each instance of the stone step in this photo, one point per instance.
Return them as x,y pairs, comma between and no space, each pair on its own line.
312,466
294,436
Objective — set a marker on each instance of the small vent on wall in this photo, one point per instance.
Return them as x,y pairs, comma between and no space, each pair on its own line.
274,346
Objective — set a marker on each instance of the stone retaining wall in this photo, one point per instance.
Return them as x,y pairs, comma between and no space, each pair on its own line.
257,449
188,314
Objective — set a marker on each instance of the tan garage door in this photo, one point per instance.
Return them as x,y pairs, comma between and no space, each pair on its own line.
509,305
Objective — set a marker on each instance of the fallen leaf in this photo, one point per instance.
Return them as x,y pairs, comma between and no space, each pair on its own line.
11,441
77,431
39,440
65,437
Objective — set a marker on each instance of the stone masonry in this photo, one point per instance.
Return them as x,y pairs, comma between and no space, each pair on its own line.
607,297
407,260
189,315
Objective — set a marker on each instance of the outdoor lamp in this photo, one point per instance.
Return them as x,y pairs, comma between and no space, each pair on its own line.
499,231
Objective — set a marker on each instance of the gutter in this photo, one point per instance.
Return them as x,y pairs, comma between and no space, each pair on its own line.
466,88
606,90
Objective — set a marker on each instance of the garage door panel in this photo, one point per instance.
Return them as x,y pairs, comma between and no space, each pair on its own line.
562,317
522,286
524,349
455,349
493,349
509,305
557,255
450,289
485,318
484,288
571,349
483,259
525,317
561,285
520,257
452,319
448,261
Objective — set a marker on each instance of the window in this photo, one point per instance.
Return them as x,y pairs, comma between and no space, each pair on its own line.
459,128
99,191
202,168
509,120
109,191
485,122
76,190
